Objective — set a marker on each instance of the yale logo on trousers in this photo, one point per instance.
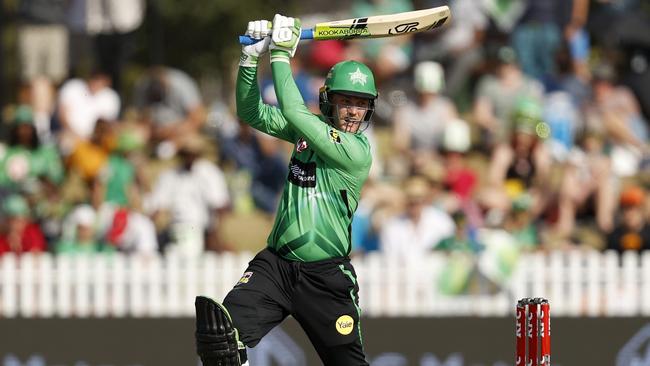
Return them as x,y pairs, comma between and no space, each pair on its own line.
344,324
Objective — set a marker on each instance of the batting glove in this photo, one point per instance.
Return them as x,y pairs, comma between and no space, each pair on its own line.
257,29
285,37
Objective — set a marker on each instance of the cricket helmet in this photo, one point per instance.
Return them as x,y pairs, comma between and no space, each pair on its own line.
349,78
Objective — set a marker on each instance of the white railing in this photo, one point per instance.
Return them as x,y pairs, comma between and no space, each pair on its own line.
576,283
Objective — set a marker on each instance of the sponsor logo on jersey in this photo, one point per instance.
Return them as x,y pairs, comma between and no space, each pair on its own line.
301,145
245,277
344,324
302,174
334,136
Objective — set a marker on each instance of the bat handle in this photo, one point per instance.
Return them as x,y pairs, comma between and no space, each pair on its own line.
247,40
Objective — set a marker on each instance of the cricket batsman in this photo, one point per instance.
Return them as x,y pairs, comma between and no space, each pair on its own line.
305,270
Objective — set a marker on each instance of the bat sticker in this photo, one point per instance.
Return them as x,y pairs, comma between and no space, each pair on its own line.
404,28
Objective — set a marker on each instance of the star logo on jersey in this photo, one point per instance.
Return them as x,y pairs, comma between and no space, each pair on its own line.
301,145
358,77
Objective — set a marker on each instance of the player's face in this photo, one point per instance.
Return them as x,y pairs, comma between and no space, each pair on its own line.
350,111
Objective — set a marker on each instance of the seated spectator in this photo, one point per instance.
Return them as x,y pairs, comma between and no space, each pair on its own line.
170,103
459,178
18,234
497,96
588,188
379,203
194,194
263,159
81,104
520,222
89,157
25,160
615,111
126,230
420,227
388,56
80,235
418,125
457,46
632,231
523,165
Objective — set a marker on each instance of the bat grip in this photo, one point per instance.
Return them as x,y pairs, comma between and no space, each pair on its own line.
247,40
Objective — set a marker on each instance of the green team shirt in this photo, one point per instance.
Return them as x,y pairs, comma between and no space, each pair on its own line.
326,171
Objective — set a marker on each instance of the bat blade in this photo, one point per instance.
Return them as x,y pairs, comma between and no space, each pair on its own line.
383,25
375,26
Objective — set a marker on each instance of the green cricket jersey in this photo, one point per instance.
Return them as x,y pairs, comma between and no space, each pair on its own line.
326,172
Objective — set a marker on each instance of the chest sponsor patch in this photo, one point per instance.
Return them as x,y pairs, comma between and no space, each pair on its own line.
334,136
302,174
301,145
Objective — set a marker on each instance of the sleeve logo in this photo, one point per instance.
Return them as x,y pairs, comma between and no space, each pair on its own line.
334,136
301,145
245,277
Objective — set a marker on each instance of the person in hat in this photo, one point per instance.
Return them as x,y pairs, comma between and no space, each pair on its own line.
523,165
418,125
421,227
497,96
632,231
25,160
19,234
194,195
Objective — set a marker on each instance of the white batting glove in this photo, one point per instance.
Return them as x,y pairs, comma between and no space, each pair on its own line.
285,36
257,29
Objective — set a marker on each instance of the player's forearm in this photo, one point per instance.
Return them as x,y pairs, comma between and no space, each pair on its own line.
290,100
247,93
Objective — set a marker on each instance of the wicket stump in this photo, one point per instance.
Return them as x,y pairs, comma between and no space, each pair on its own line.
533,332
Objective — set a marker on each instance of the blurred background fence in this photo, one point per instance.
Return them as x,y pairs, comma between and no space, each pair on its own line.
576,283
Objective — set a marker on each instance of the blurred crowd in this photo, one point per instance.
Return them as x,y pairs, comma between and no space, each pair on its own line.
519,126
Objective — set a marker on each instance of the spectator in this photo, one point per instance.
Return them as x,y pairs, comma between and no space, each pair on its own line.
567,93
588,188
389,56
106,27
25,160
418,126
18,234
539,33
632,231
81,104
496,97
113,23
263,158
523,165
43,39
170,103
615,111
420,228
457,46
379,203
80,235
116,197
195,195
90,157
521,224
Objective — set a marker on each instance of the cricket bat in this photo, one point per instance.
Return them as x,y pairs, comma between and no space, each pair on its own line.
375,26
